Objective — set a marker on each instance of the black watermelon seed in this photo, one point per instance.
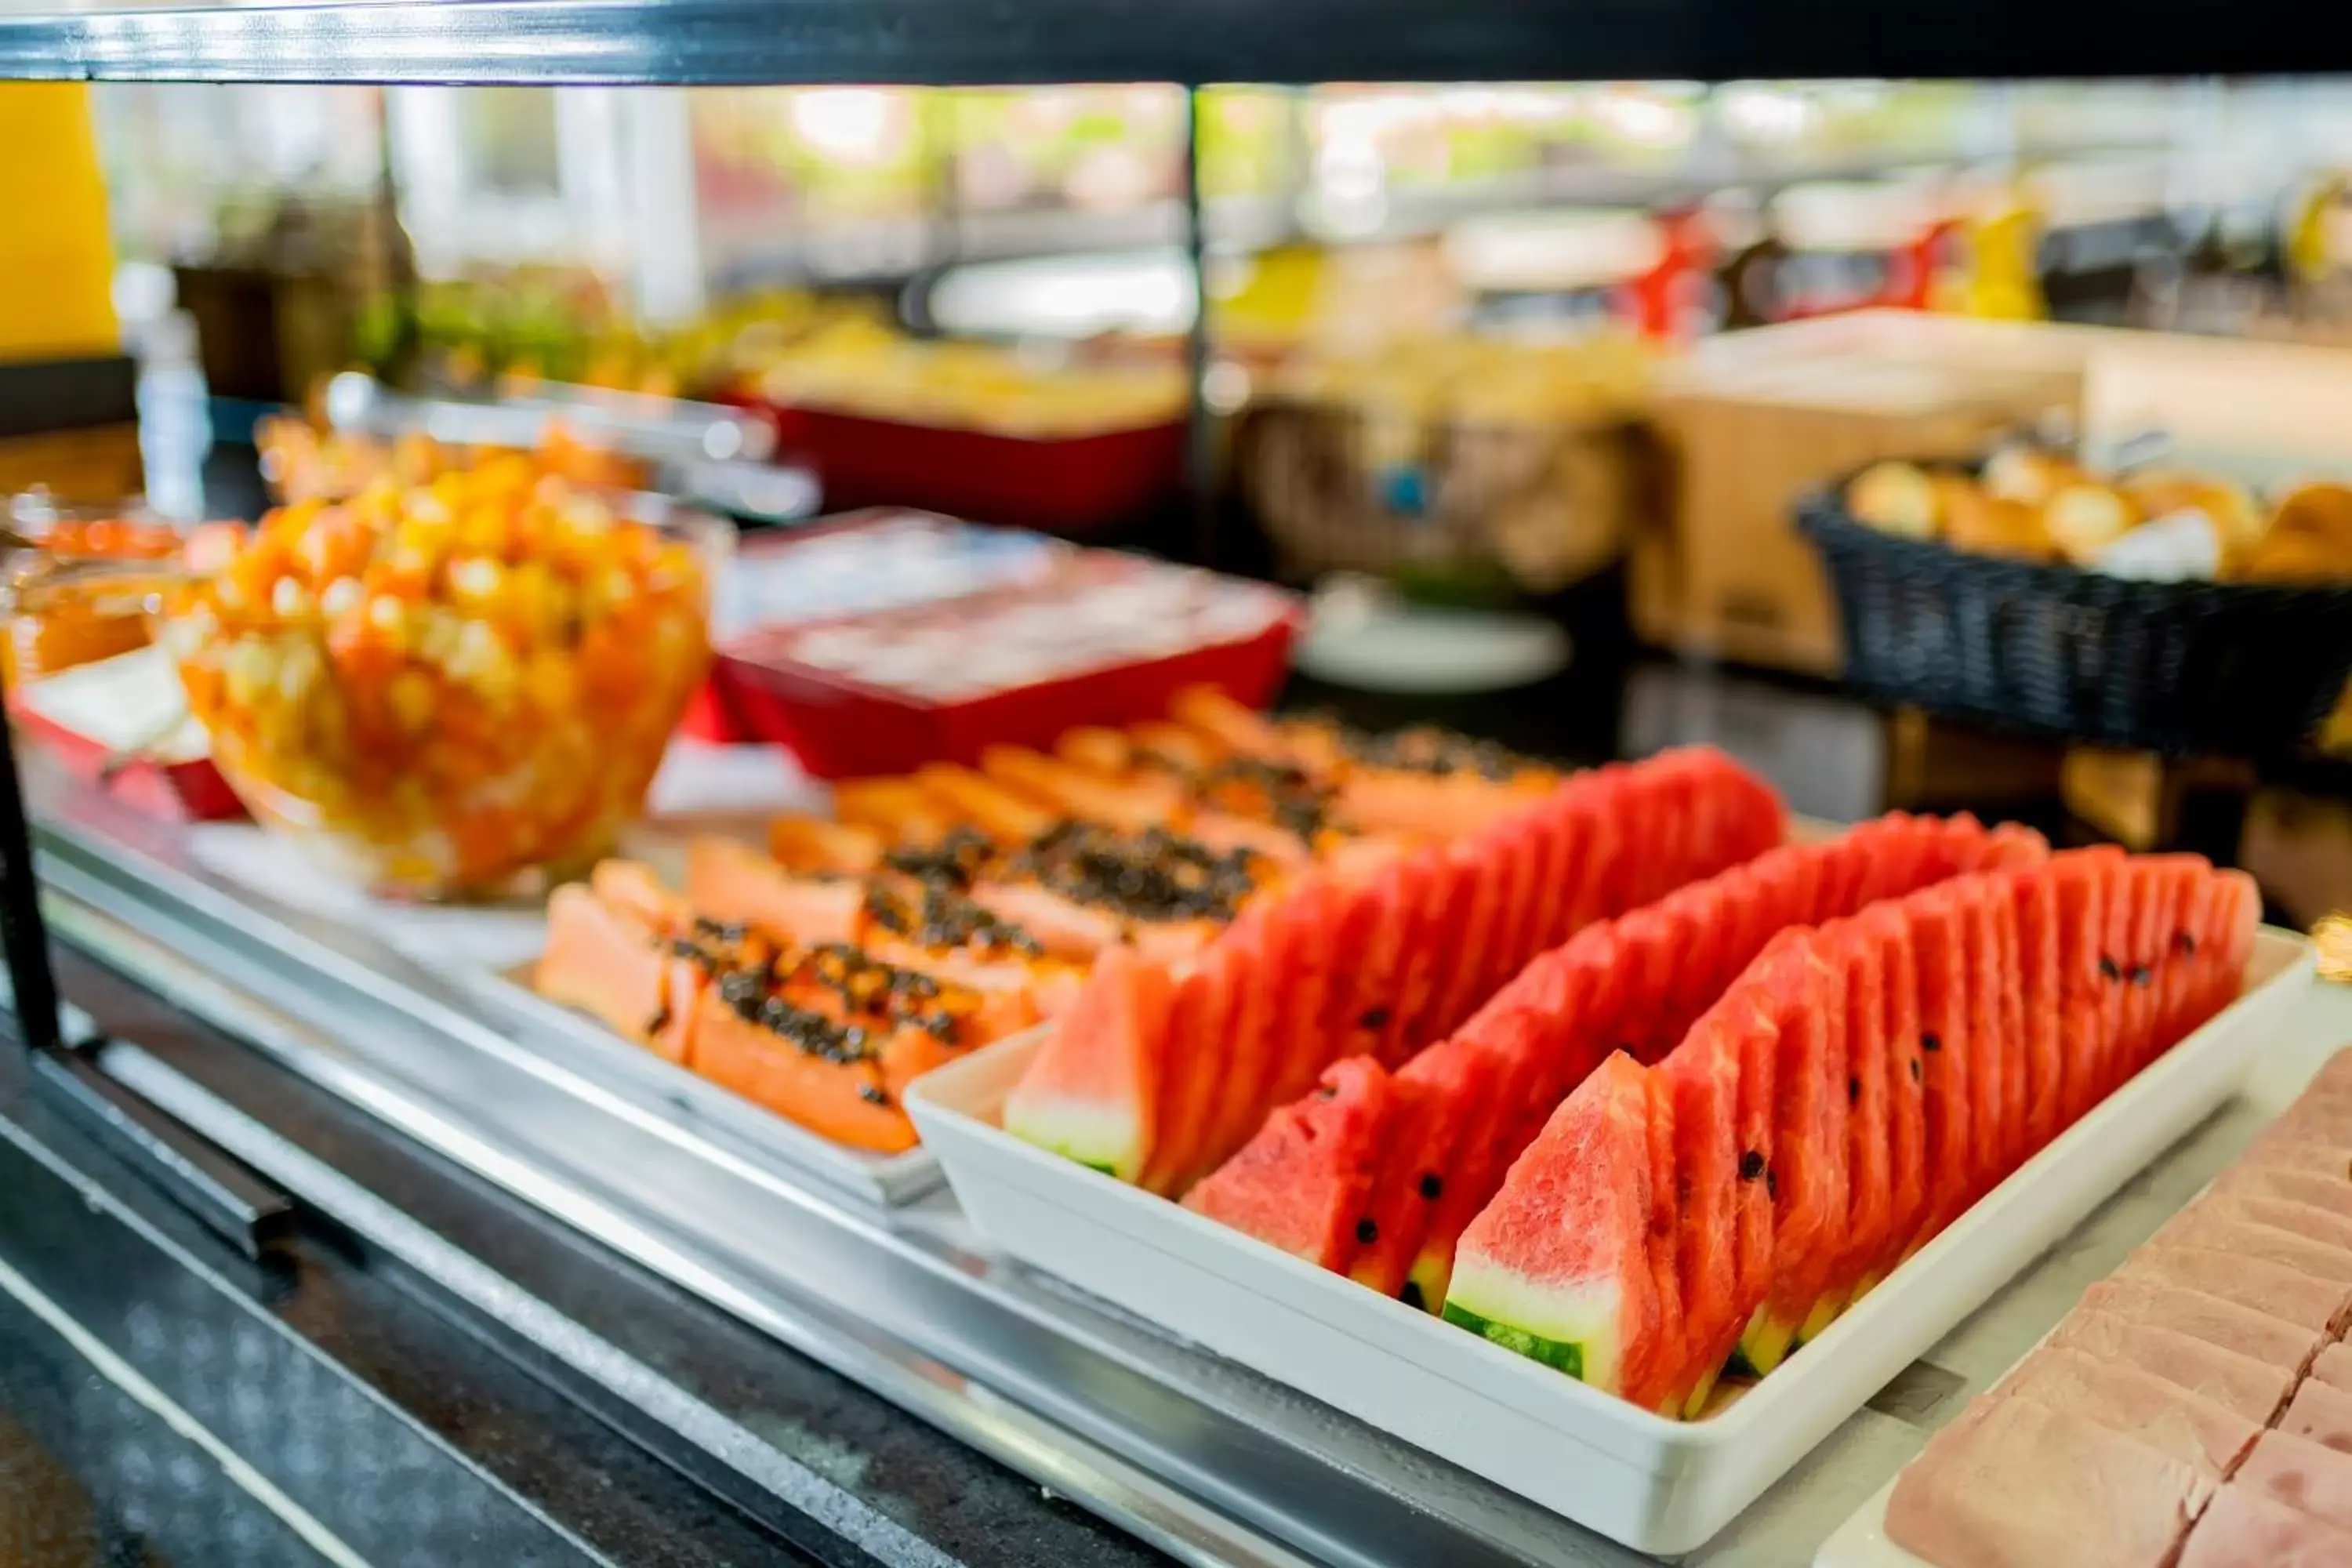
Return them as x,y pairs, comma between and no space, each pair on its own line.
1328,1091
1751,1165
872,1095
1853,1092
1772,1184
2186,941
1367,1232
1931,1042
2141,975
1431,1184
2108,968
1374,1018
1915,1069
1412,1297
658,1022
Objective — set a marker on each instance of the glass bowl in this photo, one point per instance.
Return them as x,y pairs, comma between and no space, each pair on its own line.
55,620
458,691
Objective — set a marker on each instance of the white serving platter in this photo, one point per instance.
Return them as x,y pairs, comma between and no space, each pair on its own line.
1654,1485
778,1145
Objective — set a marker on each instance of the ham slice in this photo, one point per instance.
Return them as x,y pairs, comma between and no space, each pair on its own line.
2292,1186
2246,1331
2206,1437
2254,1389
2215,1226
2243,1528
2334,1367
2309,1477
2272,1288
2322,1414
2312,1223
2014,1484
2287,1149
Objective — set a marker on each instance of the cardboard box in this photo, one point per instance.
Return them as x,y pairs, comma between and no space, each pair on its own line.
1755,419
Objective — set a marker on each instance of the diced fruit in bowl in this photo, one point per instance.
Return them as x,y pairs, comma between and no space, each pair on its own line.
458,689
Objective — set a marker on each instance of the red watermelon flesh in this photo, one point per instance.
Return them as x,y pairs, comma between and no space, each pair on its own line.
1701,917
1808,1163
2080,891
1458,1084
1646,956
1893,851
1592,850
1661,1387
2046,1093
2013,846
1299,1184
1308,919
1423,1108
1370,923
1907,1168
2115,953
1483,878
1443,909
1987,1069
2185,880
1515,924
1240,1099
1939,946
1516,1039
1092,1091
1199,1029
1557,1268
1703,1077
1858,954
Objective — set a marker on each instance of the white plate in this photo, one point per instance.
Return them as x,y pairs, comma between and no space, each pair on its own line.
1655,1485
778,1145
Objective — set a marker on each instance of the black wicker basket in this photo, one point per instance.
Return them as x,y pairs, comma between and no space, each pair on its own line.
2227,668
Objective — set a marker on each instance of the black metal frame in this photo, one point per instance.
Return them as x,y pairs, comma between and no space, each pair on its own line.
1015,42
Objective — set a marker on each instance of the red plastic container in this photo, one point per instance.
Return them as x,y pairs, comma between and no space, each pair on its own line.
850,716
187,791
1074,485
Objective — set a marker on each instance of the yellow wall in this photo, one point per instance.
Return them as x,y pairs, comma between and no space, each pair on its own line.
56,268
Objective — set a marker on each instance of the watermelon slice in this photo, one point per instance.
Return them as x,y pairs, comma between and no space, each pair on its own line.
1939,946
1908,1167
2115,956
2080,891
1256,942
1092,1093
1663,1386
1481,880
1703,1076
1858,956
1308,919
2035,897
1299,1184
1383,929
1806,1173
2184,881
1200,1030
1517,1039
1987,1069
1444,891
1557,1268
1454,1088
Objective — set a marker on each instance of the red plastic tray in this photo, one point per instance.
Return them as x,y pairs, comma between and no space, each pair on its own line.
841,730
1071,486
191,791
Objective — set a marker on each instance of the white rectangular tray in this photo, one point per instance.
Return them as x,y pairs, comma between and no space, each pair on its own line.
776,1144
1655,1485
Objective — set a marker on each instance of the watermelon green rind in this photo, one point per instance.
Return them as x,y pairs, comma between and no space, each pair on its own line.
1561,1356
1102,1137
